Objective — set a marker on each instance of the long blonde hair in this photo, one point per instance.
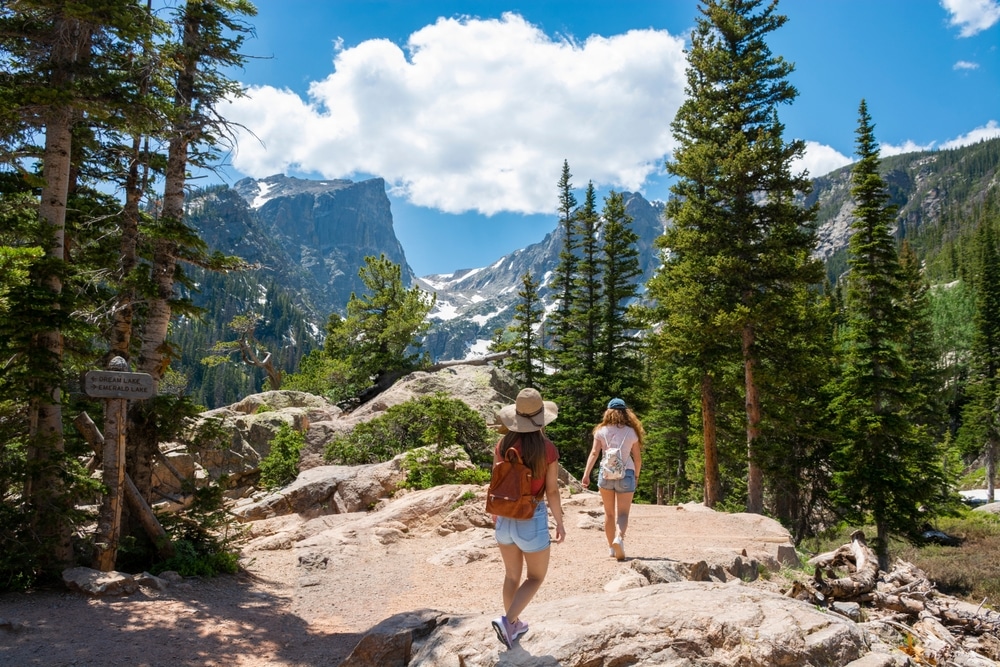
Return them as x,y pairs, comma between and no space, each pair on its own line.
623,417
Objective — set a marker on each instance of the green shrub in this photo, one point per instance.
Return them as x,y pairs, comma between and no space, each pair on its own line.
333,379
427,468
205,536
429,420
464,498
281,465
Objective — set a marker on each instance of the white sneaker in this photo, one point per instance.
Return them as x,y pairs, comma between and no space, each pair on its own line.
502,629
618,547
518,629
611,552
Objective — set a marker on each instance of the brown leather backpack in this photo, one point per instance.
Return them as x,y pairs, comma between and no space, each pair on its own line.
509,493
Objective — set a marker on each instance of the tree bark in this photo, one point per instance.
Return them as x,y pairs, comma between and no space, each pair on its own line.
45,489
713,485
755,476
88,429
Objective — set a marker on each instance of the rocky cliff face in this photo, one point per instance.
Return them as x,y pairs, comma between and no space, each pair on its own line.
326,229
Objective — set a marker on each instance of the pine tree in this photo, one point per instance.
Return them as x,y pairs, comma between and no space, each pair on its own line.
888,470
574,384
739,248
980,430
523,338
620,368
563,277
379,337
207,48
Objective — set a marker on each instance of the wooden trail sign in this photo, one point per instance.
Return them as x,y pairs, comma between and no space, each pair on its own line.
116,386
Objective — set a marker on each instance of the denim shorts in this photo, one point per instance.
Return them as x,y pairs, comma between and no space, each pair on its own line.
624,485
528,534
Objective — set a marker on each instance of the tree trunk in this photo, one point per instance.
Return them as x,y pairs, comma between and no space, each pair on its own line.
755,477
992,448
121,325
45,488
713,486
153,356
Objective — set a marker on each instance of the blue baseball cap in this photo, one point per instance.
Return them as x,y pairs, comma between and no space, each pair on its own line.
616,404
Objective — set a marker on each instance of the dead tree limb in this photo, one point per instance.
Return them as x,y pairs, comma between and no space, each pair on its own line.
857,555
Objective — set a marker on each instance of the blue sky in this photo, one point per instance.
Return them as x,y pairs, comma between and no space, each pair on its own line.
468,109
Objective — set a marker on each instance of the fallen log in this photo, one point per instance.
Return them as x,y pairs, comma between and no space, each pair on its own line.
857,555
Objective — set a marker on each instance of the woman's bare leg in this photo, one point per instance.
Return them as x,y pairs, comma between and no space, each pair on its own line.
608,498
624,505
513,561
537,564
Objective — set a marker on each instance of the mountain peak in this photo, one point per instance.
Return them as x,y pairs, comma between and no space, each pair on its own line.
258,192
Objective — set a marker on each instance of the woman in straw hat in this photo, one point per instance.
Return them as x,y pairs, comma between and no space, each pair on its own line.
619,428
526,543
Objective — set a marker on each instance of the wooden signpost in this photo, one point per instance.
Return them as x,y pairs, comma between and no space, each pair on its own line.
117,387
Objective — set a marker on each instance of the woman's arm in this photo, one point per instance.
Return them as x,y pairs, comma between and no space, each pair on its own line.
553,499
637,458
595,452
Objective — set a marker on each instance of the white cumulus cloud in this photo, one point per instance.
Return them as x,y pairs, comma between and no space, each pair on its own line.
820,159
908,146
476,115
972,16
965,64
989,131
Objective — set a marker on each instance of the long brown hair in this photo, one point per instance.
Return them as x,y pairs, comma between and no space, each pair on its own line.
532,450
623,417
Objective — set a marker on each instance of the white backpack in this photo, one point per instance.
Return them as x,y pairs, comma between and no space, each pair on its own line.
613,465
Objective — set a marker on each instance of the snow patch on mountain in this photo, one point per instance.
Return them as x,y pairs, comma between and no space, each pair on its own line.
444,311
261,198
481,320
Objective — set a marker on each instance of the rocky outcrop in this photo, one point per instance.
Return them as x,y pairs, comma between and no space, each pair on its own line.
666,625
327,490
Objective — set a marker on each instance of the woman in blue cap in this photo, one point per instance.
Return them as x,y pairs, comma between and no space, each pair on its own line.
618,443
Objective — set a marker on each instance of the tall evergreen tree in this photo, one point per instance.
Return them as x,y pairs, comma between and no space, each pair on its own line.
522,339
207,47
563,277
740,246
574,383
888,470
620,369
59,61
980,430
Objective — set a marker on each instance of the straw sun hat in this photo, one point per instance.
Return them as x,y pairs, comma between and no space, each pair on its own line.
529,412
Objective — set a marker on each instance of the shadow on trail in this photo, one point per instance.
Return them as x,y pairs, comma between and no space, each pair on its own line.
227,620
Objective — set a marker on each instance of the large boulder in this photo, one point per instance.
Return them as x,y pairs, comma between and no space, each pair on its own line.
666,625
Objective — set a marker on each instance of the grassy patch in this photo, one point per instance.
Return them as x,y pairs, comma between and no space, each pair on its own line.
969,572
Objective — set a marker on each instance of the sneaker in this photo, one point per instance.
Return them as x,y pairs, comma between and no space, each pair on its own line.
611,552
517,630
618,546
502,630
